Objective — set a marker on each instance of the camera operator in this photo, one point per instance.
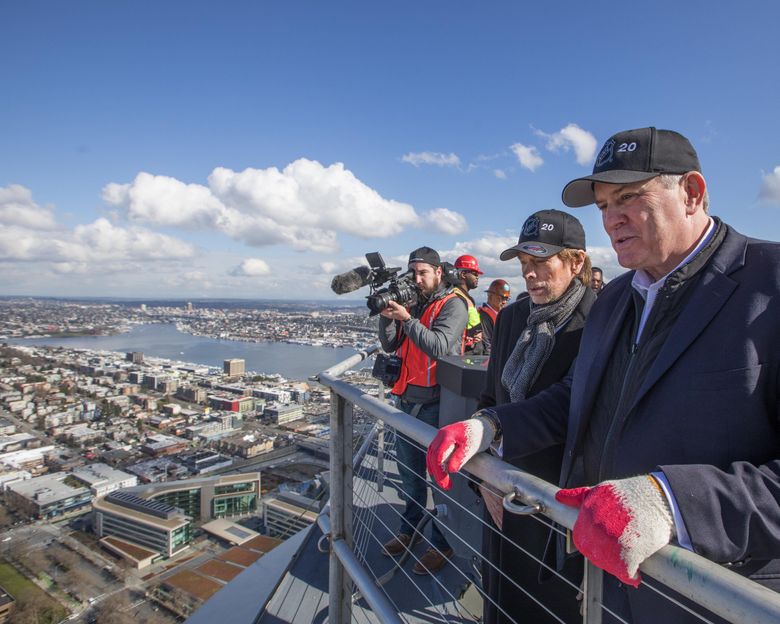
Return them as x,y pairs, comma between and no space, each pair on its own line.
433,327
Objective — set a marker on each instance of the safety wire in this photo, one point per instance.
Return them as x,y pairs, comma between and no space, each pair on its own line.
477,553
555,528
369,499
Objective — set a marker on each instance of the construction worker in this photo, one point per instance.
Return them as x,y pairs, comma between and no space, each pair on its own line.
468,272
497,298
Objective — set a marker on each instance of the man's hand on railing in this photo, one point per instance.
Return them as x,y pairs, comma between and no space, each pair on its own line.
455,444
620,524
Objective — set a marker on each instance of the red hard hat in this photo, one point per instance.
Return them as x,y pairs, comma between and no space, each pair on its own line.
469,263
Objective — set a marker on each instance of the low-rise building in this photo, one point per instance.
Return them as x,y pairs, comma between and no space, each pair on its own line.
101,479
281,414
7,604
247,446
159,444
49,496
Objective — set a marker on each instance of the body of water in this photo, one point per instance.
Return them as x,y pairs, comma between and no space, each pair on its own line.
165,341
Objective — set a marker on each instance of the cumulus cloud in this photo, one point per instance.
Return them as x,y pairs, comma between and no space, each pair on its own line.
252,267
770,187
527,156
17,208
572,137
305,205
95,243
431,158
446,221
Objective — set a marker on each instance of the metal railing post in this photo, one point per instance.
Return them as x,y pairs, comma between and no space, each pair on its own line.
340,590
380,445
593,585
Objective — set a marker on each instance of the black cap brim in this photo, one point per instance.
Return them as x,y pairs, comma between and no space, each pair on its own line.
579,192
540,250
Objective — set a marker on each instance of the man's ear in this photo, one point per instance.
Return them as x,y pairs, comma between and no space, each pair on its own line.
694,186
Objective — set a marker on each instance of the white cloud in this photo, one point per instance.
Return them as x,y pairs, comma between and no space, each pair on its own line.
431,158
572,137
446,221
98,245
252,267
770,187
18,208
304,206
500,174
165,201
527,156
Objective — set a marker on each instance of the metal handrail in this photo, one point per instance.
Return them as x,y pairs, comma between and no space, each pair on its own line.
721,591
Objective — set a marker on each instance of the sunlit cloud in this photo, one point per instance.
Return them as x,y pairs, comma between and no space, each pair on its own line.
252,267
527,156
303,206
572,137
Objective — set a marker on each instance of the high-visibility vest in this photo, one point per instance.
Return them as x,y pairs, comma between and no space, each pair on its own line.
417,368
474,319
490,312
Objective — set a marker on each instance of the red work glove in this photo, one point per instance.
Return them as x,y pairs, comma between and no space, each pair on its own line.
455,444
621,523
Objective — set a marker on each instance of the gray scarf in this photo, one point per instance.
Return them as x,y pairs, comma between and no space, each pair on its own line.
537,341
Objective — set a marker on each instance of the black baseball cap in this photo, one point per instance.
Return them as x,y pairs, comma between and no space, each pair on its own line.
547,232
633,156
425,254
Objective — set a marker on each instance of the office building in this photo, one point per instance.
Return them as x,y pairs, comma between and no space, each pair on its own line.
49,496
233,367
151,525
136,357
281,414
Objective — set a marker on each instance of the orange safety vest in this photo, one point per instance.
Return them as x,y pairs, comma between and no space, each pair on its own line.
490,312
417,368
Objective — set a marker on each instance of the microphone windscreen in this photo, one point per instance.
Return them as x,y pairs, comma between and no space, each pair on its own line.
351,280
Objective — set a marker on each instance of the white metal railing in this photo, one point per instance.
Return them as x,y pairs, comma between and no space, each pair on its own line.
717,589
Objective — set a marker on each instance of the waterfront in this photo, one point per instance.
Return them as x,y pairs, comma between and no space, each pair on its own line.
293,361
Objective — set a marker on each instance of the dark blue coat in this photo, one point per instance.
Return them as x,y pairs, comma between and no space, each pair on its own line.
707,414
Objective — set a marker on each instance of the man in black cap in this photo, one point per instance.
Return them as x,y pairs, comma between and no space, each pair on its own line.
433,327
534,344
671,416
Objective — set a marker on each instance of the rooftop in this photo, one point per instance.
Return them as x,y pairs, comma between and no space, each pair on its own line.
48,488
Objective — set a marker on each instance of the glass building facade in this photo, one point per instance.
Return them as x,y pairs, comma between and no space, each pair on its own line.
186,500
225,506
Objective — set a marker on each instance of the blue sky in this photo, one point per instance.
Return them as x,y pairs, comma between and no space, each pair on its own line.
253,149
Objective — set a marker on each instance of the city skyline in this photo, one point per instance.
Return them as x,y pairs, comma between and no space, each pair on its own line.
254,150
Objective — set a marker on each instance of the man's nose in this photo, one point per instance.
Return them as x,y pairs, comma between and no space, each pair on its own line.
612,217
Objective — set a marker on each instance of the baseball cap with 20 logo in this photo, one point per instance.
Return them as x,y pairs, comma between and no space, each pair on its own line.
546,233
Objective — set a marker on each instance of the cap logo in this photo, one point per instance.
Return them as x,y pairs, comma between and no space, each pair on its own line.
606,153
534,248
531,226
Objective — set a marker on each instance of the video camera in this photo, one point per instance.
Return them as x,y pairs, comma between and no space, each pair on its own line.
401,288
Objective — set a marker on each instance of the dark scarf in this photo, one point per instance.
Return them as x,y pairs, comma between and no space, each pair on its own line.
537,341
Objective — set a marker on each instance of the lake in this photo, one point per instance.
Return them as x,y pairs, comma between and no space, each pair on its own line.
293,361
